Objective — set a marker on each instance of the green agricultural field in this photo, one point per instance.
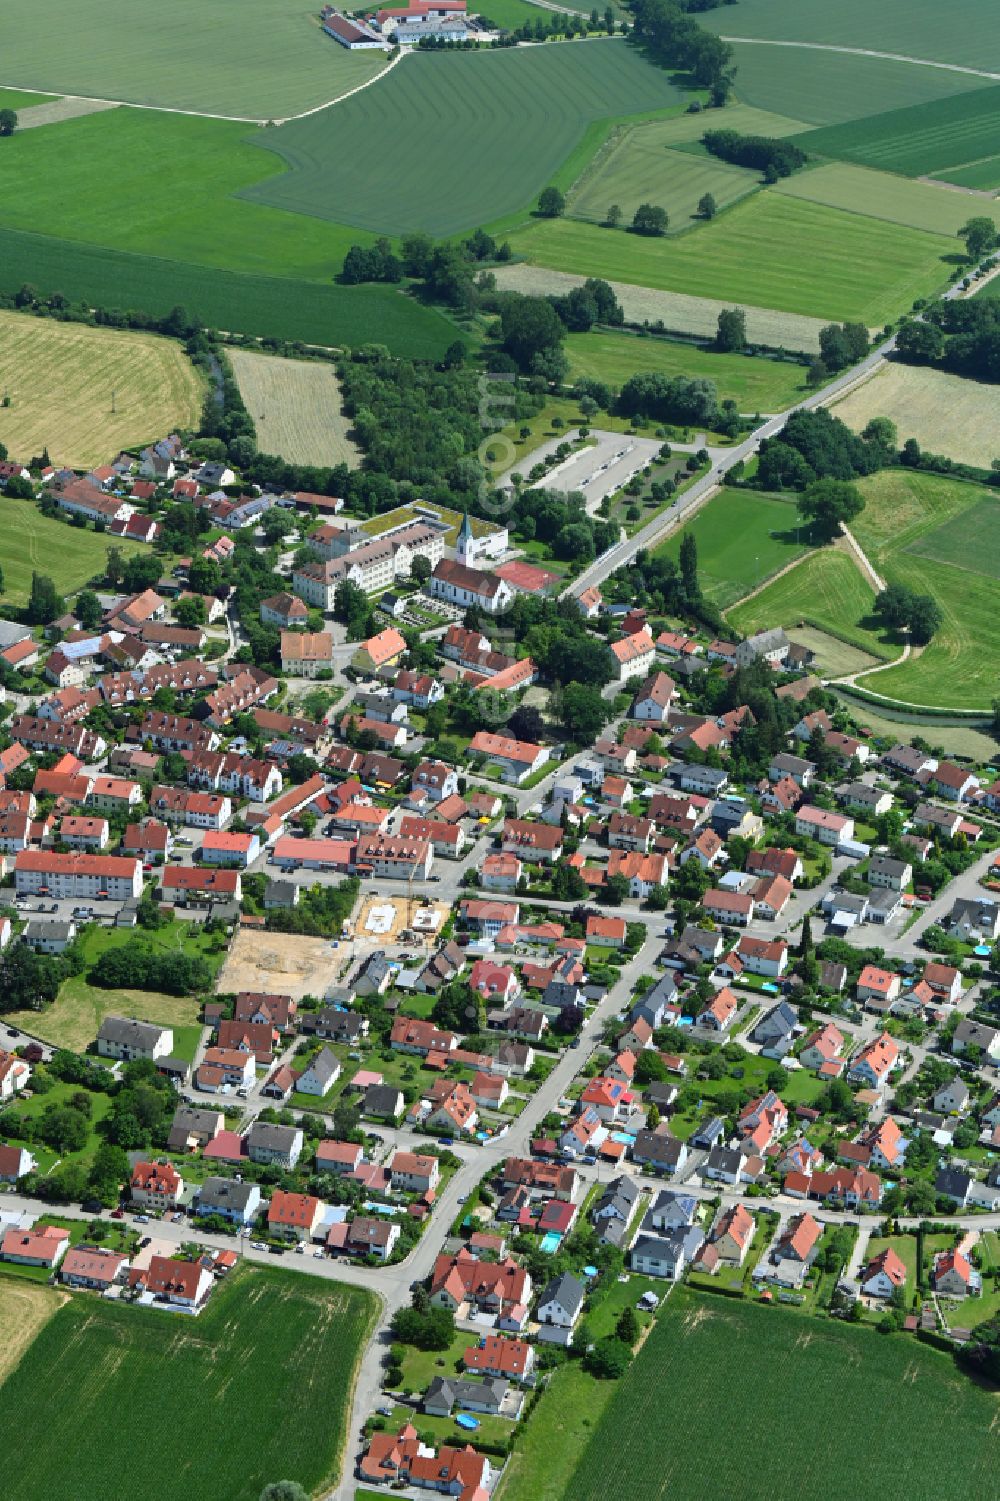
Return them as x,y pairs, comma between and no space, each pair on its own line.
259,59
826,590
971,540
269,306
457,139
743,538
769,251
984,175
770,1443
268,1342
881,195
17,99
756,385
827,88
33,543
918,140
914,28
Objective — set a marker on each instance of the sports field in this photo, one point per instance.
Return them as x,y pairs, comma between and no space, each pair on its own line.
33,543
919,139
825,590
84,393
453,139
271,1348
945,413
742,539
676,311
770,251
261,59
756,385
915,28
827,88
296,407
770,1443
881,195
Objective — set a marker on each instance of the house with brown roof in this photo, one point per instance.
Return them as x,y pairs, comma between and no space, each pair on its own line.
42,1247
168,1279
294,1215
93,1267
882,1274
155,1185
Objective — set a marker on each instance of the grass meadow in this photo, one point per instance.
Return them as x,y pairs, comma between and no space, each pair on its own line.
755,384
33,543
296,407
86,392
742,538
770,1442
261,59
769,251
945,413
271,1348
880,195
826,590
643,170
456,139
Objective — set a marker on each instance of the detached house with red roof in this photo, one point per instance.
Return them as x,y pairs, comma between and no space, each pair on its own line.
881,986
882,1274
875,1062
294,1215
167,1279
720,1011
155,1185
401,1459
495,1355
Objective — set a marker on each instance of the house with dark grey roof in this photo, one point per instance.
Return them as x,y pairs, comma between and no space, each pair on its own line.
446,1393
617,1201
666,1255
121,1037
383,1102
561,1303
775,1026
277,1145
659,1150
231,1198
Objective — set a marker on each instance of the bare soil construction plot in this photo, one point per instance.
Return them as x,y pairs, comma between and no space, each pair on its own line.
675,310
383,919
296,408
945,413
282,963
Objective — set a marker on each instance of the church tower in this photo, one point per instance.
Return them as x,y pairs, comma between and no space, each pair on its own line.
463,544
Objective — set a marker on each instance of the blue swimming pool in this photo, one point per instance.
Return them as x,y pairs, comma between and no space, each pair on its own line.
551,1243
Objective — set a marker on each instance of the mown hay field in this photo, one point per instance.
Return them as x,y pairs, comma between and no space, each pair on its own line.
84,393
25,1308
945,413
296,408
770,1443
768,251
881,195
825,590
271,1348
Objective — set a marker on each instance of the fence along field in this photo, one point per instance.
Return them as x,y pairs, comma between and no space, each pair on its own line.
271,1349
259,59
770,1443
296,408
453,140
86,392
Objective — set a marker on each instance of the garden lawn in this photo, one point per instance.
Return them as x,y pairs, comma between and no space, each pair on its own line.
905,1247
770,1444
755,384
268,1343
742,539
457,139
826,590
60,1094
31,542
557,1432
769,251
255,58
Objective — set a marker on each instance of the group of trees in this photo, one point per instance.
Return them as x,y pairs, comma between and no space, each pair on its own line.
8,122
561,521
138,966
816,445
961,335
775,158
375,262
676,399
677,41
901,609
842,344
